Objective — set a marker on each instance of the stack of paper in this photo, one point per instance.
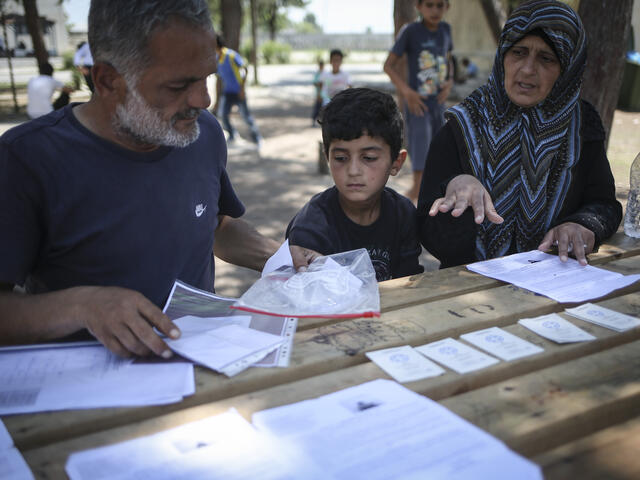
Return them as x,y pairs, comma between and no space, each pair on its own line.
34,380
225,344
375,431
548,275
187,301
12,465
556,328
604,317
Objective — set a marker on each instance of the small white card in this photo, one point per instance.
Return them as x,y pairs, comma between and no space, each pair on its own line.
556,328
404,364
501,343
456,355
604,317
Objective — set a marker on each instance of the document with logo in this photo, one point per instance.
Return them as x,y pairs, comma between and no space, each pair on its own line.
604,317
12,465
556,328
547,275
501,343
404,364
456,355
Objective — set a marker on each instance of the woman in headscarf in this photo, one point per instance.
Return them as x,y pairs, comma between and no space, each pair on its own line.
524,152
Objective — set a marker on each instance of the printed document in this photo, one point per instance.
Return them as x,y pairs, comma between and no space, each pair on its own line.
545,274
501,343
12,465
404,364
456,355
604,317
87,377
556,328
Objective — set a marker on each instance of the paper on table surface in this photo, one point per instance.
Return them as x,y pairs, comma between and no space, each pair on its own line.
222,447
228,349
404,364
13,466
5,439
281,258
185,300
457,355
379,430
547,275
501,343
87,377
556,328
604,317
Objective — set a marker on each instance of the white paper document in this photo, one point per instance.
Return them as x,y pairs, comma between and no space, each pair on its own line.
456,355
556,328
604,317
187,301
228,349
87,377
281,258
545,274
380,430
12,465
501,343
224,447
404,364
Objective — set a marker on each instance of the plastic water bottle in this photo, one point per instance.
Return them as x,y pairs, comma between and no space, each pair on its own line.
632,215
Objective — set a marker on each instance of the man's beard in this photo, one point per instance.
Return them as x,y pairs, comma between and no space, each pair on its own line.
143,124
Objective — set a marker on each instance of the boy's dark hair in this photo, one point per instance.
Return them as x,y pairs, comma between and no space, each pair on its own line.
46,69
336,51
220,41
355,112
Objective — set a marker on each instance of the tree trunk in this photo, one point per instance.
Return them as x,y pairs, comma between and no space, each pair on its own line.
32,19
254,39
403,12
5,37
496,16
607,30
231,20
273,21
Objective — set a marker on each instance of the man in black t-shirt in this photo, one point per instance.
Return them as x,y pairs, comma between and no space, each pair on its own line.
362,135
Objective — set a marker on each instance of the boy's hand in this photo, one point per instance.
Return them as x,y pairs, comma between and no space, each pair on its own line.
445,91
414,102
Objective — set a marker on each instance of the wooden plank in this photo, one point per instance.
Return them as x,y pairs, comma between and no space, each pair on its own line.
611,453
554,406
437,388
316,351
529,412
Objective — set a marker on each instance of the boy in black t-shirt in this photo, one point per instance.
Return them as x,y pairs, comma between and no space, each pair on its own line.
362,136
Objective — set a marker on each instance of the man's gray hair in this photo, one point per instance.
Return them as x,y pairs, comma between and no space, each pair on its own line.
119,30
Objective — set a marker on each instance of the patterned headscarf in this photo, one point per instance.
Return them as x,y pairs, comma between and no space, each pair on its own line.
523,156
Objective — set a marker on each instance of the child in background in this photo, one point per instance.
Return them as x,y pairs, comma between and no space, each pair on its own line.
317,82
336,80
362,136
428,46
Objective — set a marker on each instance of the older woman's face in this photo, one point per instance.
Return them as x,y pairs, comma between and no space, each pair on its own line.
530,70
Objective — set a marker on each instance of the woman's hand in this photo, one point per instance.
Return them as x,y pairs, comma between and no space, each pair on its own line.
466,191
570,237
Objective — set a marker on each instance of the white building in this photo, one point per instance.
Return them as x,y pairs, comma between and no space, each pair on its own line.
54,31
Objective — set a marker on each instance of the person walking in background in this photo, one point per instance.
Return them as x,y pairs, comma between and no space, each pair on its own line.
40,90
428,46
317,83
336,80
230,90
83,61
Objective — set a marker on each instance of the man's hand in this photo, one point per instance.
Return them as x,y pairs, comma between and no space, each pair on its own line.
302,257
466,191
570,237
123,321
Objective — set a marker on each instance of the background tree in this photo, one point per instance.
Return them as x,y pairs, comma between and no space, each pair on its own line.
5,37
404,11
34,26
271,15
608,31
231,22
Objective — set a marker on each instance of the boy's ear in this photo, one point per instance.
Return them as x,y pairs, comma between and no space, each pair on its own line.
396,165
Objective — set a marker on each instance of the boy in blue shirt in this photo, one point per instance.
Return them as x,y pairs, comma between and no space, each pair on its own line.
428,46
232,74
362,136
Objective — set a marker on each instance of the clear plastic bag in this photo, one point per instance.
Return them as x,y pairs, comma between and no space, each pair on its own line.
342,285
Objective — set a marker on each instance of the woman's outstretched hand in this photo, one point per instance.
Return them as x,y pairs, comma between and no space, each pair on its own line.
570,237
466,191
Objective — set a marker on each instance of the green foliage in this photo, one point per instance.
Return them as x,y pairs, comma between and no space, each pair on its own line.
67,64
275,52
245,50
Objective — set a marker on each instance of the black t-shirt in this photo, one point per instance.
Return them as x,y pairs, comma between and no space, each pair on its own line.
391,241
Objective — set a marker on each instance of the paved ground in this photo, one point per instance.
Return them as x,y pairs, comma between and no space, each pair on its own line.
277,181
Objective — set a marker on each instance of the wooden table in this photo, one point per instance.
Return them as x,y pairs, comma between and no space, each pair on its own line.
574,409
